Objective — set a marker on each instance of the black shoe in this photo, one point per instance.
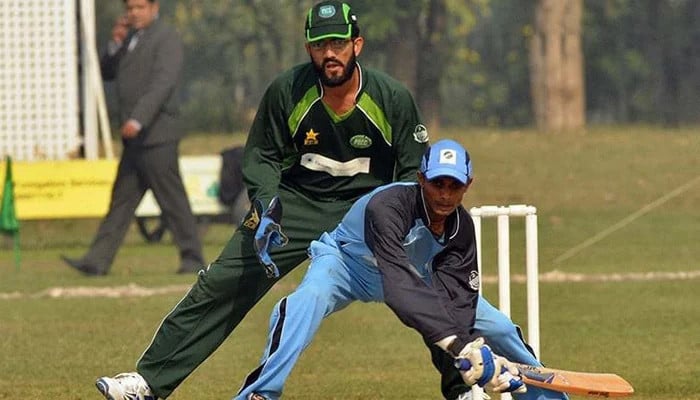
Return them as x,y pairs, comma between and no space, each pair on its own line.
85,269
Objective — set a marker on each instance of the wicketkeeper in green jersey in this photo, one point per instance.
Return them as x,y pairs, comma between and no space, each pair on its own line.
326,132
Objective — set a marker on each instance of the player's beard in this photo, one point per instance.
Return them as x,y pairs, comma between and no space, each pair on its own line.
348,70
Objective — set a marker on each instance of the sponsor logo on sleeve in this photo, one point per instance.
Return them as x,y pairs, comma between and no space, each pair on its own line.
474,281
420,134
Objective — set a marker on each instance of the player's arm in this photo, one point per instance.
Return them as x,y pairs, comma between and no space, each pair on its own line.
264,149
409,134
439,313
388,220
456,274
166,71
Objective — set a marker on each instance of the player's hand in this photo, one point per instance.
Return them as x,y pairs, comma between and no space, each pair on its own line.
479,365
269,234
475,362
508,380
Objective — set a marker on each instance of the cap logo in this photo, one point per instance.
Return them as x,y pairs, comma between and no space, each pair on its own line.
448,156
326,11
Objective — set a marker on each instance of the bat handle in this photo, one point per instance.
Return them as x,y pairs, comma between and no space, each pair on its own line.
463,364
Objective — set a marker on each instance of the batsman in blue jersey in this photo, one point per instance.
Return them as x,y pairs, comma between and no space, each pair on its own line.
411,246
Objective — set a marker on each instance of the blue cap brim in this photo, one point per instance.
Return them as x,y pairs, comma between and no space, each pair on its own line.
449,172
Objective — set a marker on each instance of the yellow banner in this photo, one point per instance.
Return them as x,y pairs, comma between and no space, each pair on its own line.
82,189
62,189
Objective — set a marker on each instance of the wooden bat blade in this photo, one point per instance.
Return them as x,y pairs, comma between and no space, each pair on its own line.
580,383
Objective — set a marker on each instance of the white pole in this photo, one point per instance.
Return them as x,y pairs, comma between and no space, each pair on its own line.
504,262
95,97
477,234
532,274
89,109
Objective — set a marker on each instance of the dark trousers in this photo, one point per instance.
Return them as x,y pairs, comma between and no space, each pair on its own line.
142,168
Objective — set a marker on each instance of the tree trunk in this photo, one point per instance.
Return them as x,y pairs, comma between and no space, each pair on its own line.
431,63
556,66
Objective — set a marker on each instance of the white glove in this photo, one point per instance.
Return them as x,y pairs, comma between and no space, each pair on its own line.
475,362
478,365
508,380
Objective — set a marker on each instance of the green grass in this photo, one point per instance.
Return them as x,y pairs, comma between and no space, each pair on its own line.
645,331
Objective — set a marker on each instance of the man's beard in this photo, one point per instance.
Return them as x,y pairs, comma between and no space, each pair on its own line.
334,81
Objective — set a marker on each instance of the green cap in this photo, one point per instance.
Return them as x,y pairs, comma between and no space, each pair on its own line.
330,19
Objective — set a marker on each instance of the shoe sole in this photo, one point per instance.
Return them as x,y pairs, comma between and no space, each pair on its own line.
103,387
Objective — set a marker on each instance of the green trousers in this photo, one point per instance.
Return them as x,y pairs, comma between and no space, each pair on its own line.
230,288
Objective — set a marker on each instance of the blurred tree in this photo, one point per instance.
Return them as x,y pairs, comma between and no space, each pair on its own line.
234,49
556,66
488,82
642,57
467,61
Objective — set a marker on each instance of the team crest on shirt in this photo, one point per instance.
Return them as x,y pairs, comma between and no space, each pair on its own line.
252,220
420,134
474,281
311,138
360,141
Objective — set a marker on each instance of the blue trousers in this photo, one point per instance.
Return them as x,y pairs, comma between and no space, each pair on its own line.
331,284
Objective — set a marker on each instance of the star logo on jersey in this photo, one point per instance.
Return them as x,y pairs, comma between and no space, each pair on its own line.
311,138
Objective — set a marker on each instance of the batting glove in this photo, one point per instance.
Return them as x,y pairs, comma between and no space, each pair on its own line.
507,380
269,234
475,362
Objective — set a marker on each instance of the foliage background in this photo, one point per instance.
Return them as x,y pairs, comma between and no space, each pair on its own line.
641,56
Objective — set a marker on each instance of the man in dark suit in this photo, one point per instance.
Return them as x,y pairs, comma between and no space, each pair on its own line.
145,58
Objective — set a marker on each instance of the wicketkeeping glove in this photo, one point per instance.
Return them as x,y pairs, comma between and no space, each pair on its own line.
269,234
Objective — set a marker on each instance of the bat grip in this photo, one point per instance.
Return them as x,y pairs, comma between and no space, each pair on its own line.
463,364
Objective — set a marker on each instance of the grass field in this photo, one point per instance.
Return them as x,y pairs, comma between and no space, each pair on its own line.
645,329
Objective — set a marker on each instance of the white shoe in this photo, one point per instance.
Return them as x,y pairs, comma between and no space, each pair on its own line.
125,386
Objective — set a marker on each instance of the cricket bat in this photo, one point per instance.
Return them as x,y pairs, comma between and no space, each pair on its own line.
579,383
572,382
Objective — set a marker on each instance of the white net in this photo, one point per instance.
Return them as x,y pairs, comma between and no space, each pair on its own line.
39,105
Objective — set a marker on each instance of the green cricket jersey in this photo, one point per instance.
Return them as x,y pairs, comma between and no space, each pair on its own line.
297,142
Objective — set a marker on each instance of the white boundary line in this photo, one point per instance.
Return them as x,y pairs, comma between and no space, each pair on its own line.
134,290
626,221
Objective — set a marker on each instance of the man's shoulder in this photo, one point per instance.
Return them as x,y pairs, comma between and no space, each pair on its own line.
401,194
160,28
295,81
385,90
375,77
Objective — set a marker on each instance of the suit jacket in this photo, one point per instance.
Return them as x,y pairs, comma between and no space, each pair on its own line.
147,83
